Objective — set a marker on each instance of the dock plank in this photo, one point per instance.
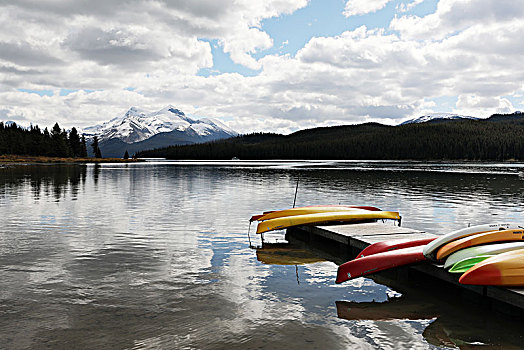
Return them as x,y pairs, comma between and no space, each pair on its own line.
370,229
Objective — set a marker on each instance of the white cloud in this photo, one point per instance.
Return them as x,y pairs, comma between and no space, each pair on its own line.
362,7
454,16
405,7
483,106
88,107
244,43
156,47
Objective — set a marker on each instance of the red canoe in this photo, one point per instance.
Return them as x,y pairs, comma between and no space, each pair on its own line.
379,262
394,244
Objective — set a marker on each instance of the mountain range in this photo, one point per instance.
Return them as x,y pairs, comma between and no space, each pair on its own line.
437,117
139,130
499,137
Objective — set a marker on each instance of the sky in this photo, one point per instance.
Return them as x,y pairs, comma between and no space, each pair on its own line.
268,65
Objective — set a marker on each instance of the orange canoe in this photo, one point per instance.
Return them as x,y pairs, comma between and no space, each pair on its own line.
506,269
482,238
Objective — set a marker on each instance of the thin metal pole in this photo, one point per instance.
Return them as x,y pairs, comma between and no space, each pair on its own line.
248,236
296,190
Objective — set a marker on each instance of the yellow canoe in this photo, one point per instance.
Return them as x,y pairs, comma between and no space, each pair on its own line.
310,210
325,218
482,238
506,269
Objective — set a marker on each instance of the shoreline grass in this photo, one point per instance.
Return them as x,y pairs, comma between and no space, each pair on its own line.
16,159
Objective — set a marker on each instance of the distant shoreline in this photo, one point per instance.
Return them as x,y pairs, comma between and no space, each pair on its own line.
15,159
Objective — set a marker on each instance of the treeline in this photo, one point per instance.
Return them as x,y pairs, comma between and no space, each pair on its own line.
33,141
497,138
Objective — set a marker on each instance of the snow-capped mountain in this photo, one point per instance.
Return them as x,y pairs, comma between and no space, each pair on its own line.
437,117
138,130
137,125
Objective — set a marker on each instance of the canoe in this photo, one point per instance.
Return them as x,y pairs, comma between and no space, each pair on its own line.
365,207
506,269
487,249
393,244
478,239
309,210
325,218
466,264
431,248
379,262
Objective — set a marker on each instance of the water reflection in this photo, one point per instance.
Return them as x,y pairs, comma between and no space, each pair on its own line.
96,172
453,323
156,255
286,254
437,312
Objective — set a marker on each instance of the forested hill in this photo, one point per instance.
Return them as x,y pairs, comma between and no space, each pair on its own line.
500,137
33,141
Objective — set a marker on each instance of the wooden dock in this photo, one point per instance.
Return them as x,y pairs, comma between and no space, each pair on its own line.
344,242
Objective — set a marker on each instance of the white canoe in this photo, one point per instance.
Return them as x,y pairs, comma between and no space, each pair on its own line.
488,249
431,248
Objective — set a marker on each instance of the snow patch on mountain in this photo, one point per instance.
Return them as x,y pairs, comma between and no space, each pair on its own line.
437,116
137,125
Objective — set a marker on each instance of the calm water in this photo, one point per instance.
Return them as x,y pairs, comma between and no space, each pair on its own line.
155,255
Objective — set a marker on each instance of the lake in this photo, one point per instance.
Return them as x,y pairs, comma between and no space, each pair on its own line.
156,255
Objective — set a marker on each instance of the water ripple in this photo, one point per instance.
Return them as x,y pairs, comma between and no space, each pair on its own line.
156,255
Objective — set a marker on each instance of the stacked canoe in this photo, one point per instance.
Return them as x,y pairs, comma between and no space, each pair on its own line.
491,254
320,215
485,255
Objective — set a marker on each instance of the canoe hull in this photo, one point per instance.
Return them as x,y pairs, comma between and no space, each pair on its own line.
488,249
309,210
478,239
325,218
387,246
506,269
466,264
431,249
379,262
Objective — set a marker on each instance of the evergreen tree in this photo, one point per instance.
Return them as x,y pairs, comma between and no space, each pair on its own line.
74,142
96,149
83,147
98,153
126,155
47,148
60,146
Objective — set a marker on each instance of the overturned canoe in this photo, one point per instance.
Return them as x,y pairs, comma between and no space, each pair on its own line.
466,264
394,244
309,210
325,218
487,249
506,269
478,239
431,248
379,262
